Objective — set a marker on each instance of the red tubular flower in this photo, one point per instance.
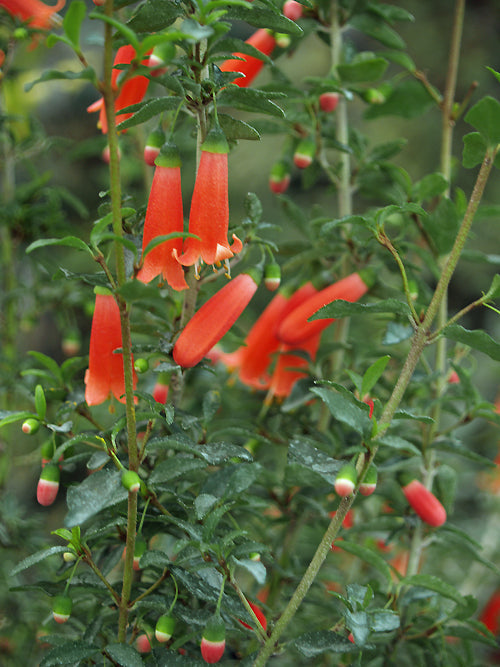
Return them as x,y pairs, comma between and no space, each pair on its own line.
425,503
164,216
105,375
214,319
37,14
295,328
131,92
490,615
209,214
288,367
250,66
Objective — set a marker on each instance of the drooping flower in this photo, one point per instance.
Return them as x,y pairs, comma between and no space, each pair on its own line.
250,66
131,92
295,328
424,503
214,319
209,214
164,216
37,14
105,375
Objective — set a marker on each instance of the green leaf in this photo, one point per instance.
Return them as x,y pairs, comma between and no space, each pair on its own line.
100,490
203,504
430,186
70,241
255,568
72,22
477,339
36,558
312,644
475,634
376,27
435,584
409,100
10,417
128,33
171,469
345,408
365,66
146,110
40,402
264,18
485,117
366,554
396,442
124,655
154,16
372,374
248,99
50,75
494,289
69,653
342,308
211,403
384,620
442,225
302,453
474,150
235,129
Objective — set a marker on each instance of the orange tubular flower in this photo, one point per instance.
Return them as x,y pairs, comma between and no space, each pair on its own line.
36,13
424,503
295,328
105,375
131,92
250,66
209,214
164,216
214,319
289,365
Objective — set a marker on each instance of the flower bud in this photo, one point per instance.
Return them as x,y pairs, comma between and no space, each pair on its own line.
369,483
154,142
346,480
48,485
164,628
141,365
139,550
328,101
213,640
292,10
30,426
304,153
131,481
142,643
272,276
279,177
424,503
61,608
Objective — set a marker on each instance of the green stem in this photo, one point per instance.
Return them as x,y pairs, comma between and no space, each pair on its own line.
116,197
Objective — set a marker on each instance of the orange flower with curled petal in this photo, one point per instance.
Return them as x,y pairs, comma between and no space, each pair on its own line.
164,216
37,14
289,367
105,375
209,214
250,66
131,92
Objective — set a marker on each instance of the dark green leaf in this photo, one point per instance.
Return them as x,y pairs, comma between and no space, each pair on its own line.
474,634
235,129
435,584
312,644
365,67
129,34
255,568
69,653
40,402
146,110
154,15
36,558
248,99
51,74
430,186
384,621
476,338
474,150
442,225
376,27
345,408
368,555
396,442
102,489
203,504
485,117
410,99
302,453
494,289
11,417
124,655
264,18
194,31
171,469
372,374
70,241
72,22
397,333
342,308
456,446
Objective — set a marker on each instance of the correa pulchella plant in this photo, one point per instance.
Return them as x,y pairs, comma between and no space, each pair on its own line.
299,491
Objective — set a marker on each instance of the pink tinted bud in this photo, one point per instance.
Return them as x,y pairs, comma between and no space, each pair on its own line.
328,101
292,10
425,503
